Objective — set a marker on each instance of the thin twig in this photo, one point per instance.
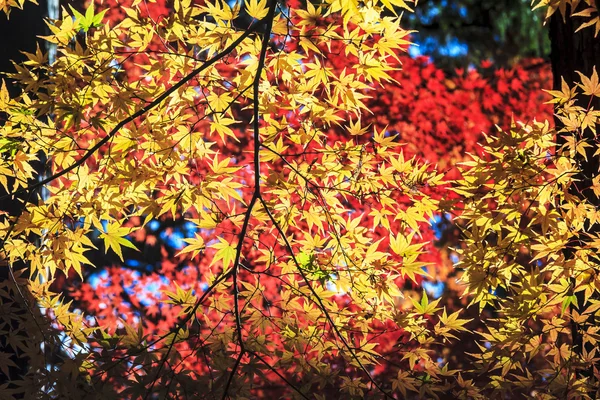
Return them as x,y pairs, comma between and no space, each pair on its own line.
138,113
319,301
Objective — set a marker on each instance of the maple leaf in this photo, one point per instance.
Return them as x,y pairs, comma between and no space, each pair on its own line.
114,238
593,20
453,322
195,246
424,306
89,20
5,363
591,85
393,5
182,297
564,95
256,8
225,252
404,382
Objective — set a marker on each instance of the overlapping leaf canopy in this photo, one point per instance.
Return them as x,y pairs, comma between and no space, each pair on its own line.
252,122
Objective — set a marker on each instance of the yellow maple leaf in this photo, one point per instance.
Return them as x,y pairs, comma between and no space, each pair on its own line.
114,238
591,85
257,9
225,252
196,245
393,5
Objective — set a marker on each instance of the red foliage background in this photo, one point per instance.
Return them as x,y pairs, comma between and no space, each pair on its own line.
440,119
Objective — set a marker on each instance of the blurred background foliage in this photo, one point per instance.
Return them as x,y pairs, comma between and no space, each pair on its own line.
458,33
454,33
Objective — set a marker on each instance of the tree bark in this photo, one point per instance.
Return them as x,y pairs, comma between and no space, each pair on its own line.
19,33
571,53
574,52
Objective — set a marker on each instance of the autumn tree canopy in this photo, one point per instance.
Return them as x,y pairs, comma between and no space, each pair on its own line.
246,199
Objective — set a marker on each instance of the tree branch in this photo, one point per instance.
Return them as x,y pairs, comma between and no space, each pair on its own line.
256,196
319,301
138,113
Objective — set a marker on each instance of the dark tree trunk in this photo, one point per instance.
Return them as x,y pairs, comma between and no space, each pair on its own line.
571,53
18,33
574,52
